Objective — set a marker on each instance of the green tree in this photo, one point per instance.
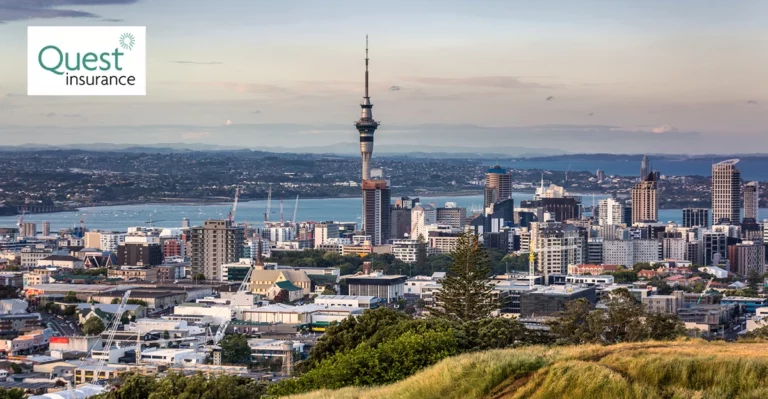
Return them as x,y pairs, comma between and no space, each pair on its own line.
329,290
8,292
643,266
235,349
16,368
282,297
70,310
166,335
198,277
70,297
136,302
115,301
93,326
421,253
575,324
754,280
623,320
465,293
349,333
663,326
14,393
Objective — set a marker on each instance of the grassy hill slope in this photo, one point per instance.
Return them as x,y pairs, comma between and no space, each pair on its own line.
684,369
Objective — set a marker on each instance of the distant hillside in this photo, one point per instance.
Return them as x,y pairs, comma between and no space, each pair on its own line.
683,369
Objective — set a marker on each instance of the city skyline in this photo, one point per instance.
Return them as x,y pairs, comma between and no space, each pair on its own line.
593,77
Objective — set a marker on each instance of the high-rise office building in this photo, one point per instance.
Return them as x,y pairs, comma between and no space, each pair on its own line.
139,254
452,215
400,222
610,211
376,204
751,198
366,126
421,217
46,229
693,217
324,231
726,192
215,243
645,203
715,247
747,256
498,185
645,168
557,245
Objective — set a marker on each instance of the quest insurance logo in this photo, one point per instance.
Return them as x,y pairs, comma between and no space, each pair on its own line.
86,61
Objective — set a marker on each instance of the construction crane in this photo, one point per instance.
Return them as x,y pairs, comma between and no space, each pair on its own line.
295,209
705,290
269,204
111,337
23,211
234,206
82,222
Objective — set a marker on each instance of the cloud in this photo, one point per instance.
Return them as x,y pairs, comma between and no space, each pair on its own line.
550,98
395,88
54,115
258,111
752,102
229,122
258,88
665,129
503,82
196,62
18,10
112,20
590,114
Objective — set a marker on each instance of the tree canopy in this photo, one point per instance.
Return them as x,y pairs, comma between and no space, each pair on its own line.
93,326
235,349
465,293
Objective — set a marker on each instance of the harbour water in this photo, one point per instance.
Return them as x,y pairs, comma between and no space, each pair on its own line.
120,217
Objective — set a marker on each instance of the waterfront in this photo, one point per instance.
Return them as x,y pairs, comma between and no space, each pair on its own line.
119,217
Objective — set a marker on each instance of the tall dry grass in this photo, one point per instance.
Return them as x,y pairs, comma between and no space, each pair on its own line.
680,369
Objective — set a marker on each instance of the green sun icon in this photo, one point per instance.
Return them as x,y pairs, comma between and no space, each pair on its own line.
127,41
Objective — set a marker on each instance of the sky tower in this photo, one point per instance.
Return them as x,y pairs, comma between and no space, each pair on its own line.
366,125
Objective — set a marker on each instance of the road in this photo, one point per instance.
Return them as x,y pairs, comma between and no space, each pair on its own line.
61,326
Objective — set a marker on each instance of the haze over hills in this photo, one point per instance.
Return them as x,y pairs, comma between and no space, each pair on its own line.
517,141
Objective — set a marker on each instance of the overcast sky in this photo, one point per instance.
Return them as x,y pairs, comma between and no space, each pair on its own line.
619,76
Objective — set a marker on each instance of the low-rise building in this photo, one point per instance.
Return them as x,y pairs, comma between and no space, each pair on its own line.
172,356
61,262
155,299
549,300
389,288
669,304
595,270
363,302
134,273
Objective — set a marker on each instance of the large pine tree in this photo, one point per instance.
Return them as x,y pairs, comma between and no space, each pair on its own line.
466,292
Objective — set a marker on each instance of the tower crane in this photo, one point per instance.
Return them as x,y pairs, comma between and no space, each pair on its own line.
23,211
705,290
234,206
295,209
269,203
111,337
